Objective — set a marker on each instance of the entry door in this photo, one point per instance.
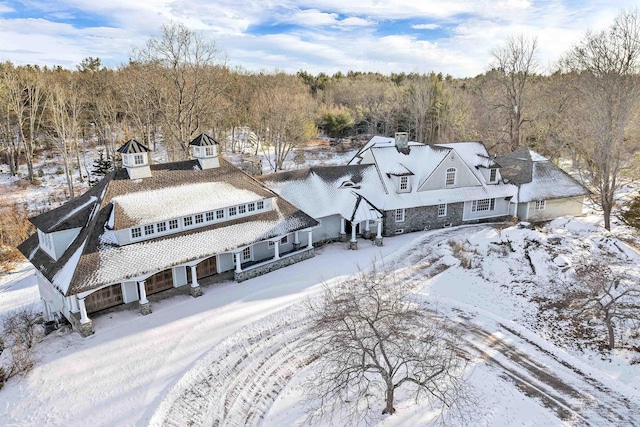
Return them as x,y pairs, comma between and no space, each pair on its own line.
159,282
104,298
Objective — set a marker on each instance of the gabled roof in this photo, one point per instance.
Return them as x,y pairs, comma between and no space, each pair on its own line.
203,140
132,146
94,259
537,177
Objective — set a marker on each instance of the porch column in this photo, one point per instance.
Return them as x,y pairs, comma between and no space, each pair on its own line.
276,249
194,289
194,278
296,238
342,226
145,307
366,225
378,239
83,311
238,266
310,241
143,292
353,244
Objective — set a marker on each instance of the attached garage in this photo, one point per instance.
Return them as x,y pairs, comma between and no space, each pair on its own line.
205,268
104,298
159,282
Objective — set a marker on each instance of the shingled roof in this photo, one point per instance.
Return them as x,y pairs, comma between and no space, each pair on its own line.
537,177
94,259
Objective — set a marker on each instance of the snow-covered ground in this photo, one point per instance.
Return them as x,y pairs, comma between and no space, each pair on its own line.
236,354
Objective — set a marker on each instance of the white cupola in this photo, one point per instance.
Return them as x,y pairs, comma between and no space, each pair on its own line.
205,150
135,159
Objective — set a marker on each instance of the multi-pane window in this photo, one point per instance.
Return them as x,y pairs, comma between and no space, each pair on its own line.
483,205
199,219
399,215
210,216
173,224
148,229
493,175
442,209
271,243
260,204
242,209
187,220
251,207
162,227
450,178
246,253
136,232
284,240
209,151
540,205
138,159
404,182
232,211
220,214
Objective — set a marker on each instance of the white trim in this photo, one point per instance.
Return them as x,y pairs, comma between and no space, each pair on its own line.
396,212
445,210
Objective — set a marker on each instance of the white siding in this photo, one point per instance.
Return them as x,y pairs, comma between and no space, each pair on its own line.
464,177
556,208
129,292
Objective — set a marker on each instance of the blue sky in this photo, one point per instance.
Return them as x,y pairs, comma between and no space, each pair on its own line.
449,36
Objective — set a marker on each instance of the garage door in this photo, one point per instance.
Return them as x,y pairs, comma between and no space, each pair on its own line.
159,282
104,298
205,268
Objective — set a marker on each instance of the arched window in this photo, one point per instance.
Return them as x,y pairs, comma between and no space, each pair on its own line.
450,179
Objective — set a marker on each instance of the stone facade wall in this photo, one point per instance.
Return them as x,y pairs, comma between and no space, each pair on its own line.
272,266
421,218
84,329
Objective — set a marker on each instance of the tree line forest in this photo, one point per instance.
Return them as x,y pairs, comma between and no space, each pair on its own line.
583,108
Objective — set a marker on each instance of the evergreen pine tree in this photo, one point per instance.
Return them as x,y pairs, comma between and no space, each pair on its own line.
101,167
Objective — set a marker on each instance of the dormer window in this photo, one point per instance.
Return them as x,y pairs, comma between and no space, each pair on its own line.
404,183
493,175
450,178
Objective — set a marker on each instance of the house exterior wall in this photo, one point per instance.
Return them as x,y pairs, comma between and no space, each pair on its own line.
501,209
555,208
225,262
421,218
62,240
129,292
464,177
54,300
180,275
329,229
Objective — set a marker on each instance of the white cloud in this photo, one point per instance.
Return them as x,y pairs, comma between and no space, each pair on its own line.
426,26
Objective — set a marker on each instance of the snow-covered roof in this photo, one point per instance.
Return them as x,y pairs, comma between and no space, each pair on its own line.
144,207
378,141
537,177
94,258
320,192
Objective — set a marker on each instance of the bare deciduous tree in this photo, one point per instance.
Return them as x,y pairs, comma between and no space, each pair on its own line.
515,63
608,63
188,62
370,338
601,293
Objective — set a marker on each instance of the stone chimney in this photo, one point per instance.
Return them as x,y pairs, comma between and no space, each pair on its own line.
135,159
205,150
402,142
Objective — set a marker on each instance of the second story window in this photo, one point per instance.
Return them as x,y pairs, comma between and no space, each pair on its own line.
199,219
450,178
260,205
493,175
161,226
187,220
173,224
232,211
210,216
148,229
136,232
220,214
251,207
242,209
